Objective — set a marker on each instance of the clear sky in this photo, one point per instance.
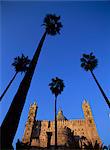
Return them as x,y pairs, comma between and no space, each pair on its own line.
86,28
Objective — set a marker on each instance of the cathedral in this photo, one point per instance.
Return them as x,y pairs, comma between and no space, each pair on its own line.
41,133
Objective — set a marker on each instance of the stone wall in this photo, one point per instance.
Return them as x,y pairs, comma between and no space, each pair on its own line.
65,129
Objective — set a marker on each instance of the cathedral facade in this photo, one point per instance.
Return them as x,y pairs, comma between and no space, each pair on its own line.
42,133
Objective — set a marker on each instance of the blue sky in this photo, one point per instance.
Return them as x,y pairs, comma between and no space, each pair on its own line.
86,28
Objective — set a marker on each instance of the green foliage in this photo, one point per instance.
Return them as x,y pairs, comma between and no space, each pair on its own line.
21,64
52,24
56,86
88,62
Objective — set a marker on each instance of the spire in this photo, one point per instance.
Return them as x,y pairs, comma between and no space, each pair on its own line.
60,115
34,104
85,101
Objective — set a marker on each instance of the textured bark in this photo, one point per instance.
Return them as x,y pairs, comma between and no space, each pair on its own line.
8,86
11,121
101,90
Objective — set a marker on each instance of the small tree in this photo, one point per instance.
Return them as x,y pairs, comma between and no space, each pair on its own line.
56,86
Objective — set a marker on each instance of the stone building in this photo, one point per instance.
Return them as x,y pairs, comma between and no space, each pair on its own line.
69,133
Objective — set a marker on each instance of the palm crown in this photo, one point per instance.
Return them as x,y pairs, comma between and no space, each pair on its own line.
56,86
89,62
52,24
21,64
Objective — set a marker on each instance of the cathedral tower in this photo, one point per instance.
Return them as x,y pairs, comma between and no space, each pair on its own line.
88,113
90,124
30,123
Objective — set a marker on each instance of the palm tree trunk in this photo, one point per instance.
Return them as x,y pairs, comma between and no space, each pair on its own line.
101,90
11,121
8,86
55,122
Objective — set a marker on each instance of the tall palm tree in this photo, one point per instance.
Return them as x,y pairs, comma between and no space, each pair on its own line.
56,86
20,64
52,27
89,63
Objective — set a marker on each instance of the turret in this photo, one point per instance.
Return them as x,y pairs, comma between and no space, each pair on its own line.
90,124
30,123
87,113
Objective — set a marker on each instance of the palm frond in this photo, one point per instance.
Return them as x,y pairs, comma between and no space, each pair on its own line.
89,61
52,24
21,63
82,64
56,86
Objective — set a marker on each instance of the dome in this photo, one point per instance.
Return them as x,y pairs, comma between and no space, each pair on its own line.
60,116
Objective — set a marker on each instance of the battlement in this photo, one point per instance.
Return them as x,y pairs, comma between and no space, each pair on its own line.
63,122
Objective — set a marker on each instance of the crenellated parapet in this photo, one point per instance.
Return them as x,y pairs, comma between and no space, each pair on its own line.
63,123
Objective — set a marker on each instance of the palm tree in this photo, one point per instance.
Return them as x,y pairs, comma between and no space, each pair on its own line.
52,27
89,63
20,64
56,86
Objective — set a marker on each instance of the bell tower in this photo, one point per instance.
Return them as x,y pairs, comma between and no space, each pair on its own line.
90,124
30,123
88,113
